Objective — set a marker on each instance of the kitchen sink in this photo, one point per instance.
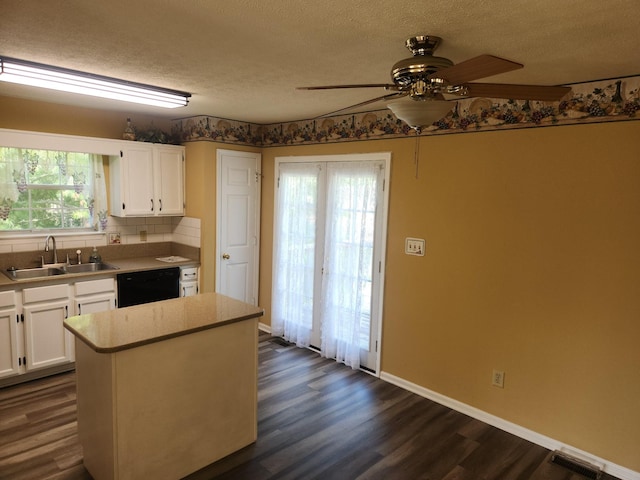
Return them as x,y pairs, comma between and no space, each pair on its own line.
89,267
58,269
26,273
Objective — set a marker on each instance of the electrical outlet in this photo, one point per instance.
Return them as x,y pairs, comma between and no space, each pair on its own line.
143,235
497,380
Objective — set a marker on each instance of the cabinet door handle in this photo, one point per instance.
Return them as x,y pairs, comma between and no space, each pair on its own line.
66,311
79,309
160,201
152,204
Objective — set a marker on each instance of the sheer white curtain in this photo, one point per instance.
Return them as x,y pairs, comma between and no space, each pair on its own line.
325,233
99,194
295,252
22,167
11,169
348,263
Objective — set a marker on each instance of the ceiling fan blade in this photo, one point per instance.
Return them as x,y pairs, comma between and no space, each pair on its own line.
516,92
386,86
475,68
361,104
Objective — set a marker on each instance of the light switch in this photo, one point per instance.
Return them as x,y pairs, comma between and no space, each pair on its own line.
414,246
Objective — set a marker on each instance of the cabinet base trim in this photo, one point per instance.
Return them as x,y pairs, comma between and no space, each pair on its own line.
45,372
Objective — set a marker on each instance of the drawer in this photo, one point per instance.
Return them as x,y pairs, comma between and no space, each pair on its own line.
188,274
90,287
7,299
41,294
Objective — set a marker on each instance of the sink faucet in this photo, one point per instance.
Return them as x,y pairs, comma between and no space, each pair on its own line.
55,249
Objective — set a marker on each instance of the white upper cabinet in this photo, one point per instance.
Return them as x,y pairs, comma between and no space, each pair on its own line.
169,180
147,180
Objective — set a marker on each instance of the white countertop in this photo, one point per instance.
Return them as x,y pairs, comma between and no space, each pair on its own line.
131,327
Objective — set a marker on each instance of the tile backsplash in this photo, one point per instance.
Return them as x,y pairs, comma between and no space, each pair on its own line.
139,230
185,230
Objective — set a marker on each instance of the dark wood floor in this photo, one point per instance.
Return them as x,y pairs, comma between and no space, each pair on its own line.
317,419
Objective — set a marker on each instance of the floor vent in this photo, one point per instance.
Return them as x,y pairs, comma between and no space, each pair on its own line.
575,465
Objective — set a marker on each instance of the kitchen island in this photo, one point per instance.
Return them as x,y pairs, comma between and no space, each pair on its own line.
165,388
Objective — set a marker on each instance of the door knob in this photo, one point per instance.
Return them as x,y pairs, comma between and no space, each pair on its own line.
226,256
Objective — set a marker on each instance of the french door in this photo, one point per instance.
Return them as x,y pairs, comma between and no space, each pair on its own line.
330,226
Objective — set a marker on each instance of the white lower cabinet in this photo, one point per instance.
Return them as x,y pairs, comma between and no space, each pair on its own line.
32,333
93,296
10,345
188,289
44,309
188,281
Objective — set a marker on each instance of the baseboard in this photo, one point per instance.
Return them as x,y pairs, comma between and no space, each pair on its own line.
522,432
264,327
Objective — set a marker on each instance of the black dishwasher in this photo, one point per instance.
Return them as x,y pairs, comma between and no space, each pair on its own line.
147,286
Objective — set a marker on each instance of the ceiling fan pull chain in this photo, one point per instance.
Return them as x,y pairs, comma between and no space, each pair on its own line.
417,153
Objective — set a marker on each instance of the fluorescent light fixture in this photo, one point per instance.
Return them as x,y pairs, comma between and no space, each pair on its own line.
38,75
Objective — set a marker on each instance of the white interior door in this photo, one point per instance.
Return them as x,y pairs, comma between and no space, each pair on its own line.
238,213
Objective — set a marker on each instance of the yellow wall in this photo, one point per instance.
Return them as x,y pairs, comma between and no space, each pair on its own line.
200,176
531,267
19,114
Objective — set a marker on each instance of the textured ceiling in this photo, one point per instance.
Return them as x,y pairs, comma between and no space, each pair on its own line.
242,59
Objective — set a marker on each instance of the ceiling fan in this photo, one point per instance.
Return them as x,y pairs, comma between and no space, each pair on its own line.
426,79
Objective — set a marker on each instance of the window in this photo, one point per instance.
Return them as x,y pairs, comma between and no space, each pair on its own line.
51,190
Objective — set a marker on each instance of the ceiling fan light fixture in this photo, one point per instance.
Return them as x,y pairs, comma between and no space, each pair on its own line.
419,114
72,81
424,78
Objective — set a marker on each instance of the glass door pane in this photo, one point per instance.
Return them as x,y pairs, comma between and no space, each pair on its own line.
350,234
295,251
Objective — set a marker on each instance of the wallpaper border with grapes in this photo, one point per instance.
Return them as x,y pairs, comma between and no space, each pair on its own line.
592,102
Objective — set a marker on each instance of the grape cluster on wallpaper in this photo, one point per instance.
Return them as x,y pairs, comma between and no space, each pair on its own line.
601,101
